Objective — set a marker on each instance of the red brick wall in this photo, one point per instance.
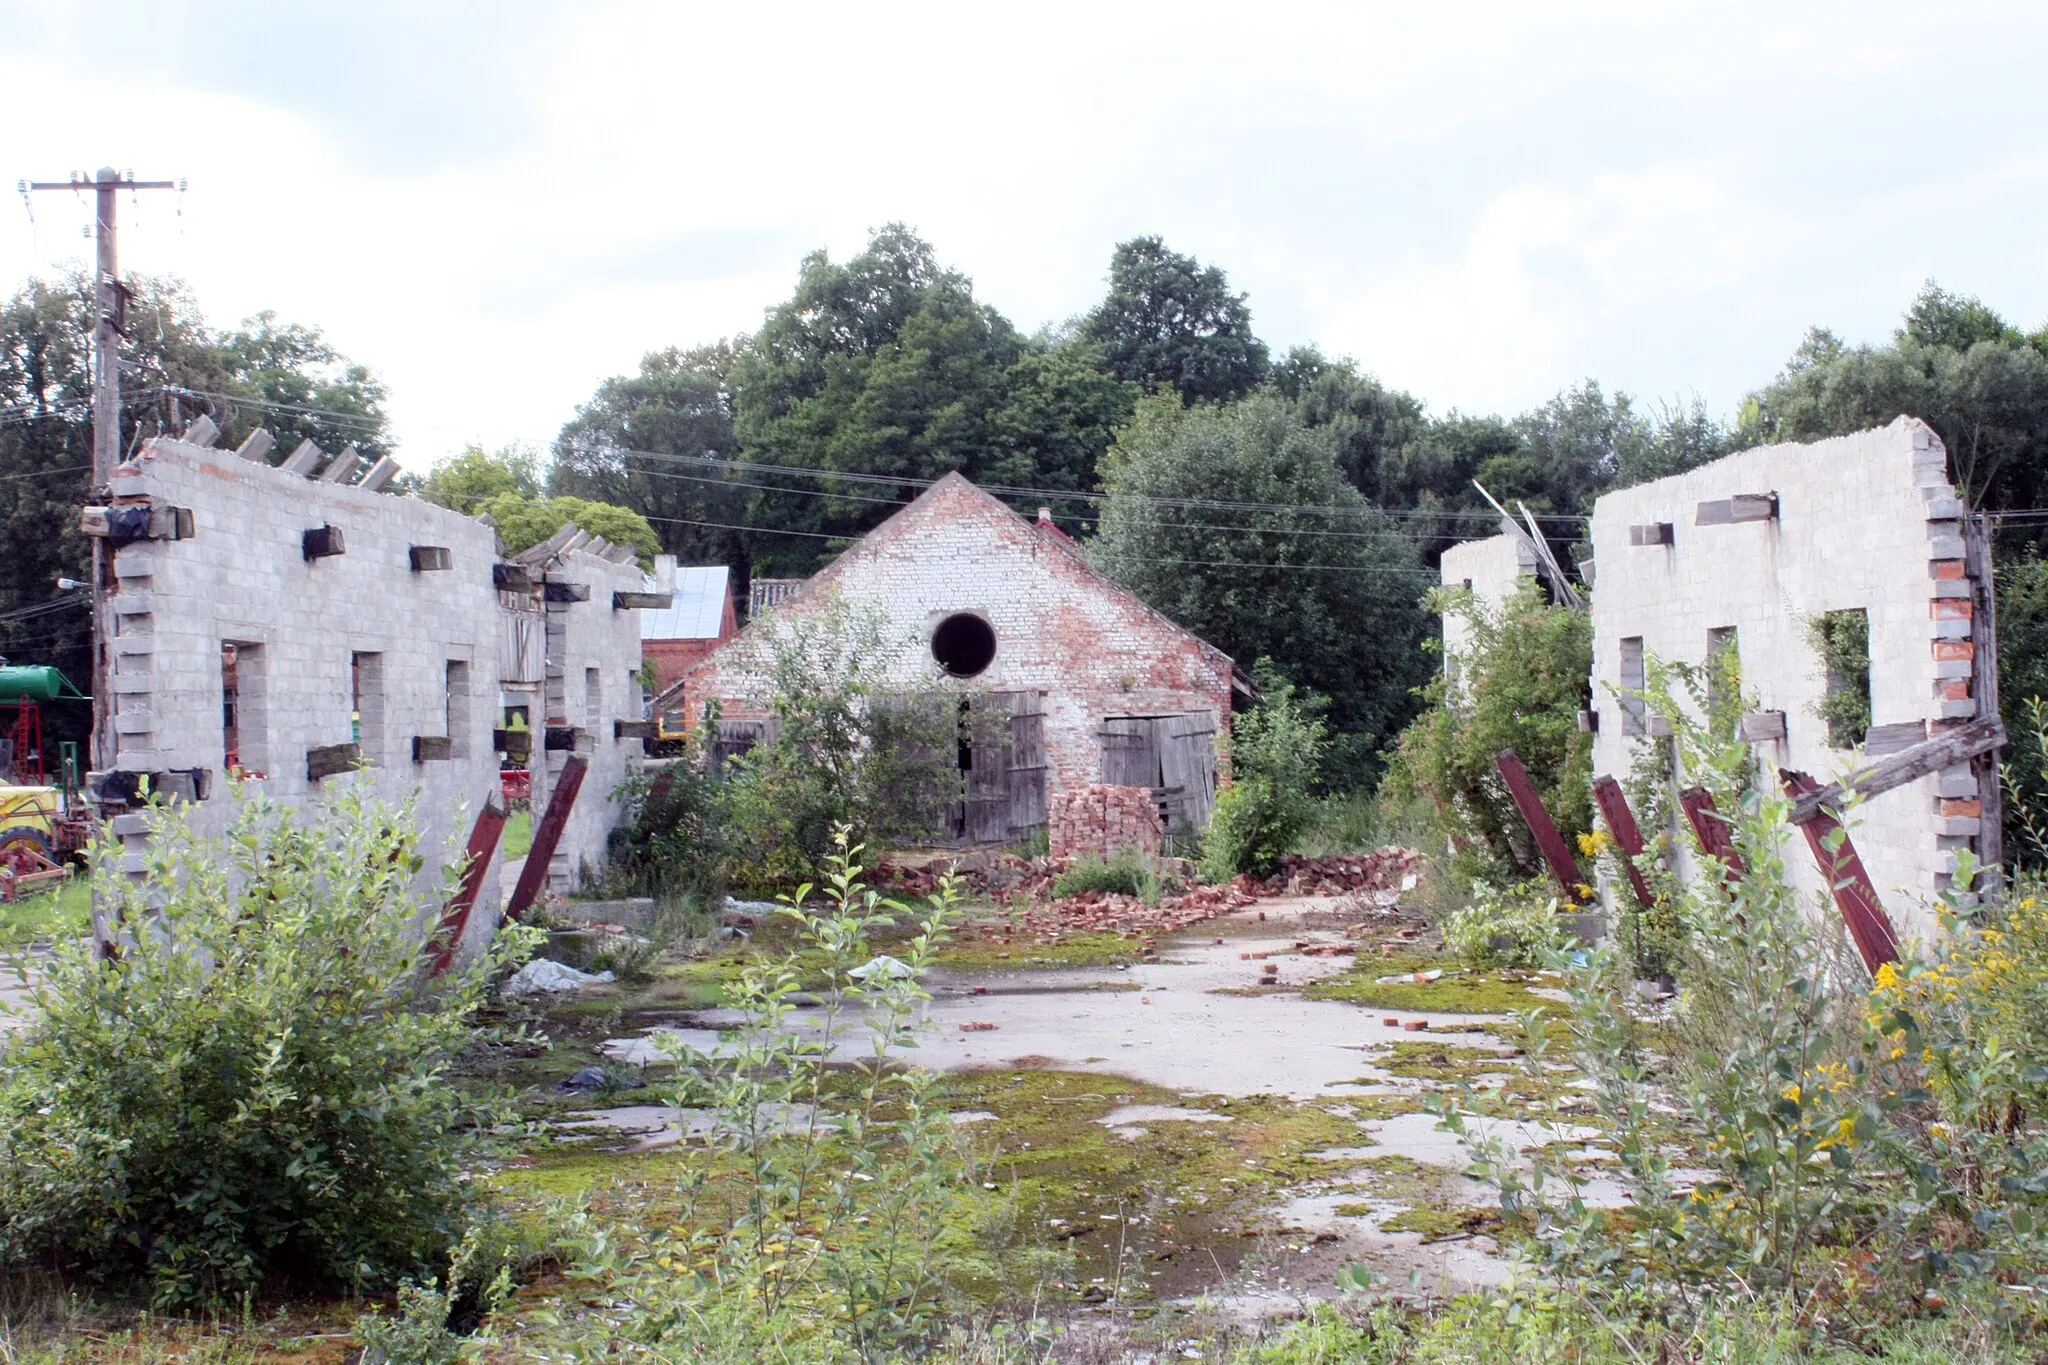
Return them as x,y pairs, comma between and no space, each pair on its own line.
1104,821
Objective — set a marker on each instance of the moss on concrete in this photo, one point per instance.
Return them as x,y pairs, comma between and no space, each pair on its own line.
1458,991
1435,1224
986,947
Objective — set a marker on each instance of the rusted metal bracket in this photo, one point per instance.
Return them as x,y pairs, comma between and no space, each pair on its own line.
546,835
1854,895
1621,823
1548,841
483,842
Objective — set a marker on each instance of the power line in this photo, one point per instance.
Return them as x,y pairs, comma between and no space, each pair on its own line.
1390,571
1072,495
1387,533
370,423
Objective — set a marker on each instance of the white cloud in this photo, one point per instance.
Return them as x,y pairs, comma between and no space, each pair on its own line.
1482,203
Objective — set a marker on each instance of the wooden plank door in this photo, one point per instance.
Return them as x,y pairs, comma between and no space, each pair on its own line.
1027,763
988,777
1130,753
1187,760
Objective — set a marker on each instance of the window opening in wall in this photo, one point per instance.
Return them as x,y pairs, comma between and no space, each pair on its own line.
1724,674
1634,679
593,699
243,718
964,644
366,672
1842,641
458,708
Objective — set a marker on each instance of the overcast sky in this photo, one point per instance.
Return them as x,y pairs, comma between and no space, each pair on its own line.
497,205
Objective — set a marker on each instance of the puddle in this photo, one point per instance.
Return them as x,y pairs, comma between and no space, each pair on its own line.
1125,1120
1417,1137
649,1126
663,1045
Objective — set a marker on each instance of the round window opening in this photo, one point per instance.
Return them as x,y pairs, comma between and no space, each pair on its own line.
964,645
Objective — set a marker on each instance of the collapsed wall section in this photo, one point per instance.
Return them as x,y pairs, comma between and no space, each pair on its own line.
1755,553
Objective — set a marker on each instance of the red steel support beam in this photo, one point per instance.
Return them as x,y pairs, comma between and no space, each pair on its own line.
1551,843
1621,823
1854,895
476,861
1711,828
546,835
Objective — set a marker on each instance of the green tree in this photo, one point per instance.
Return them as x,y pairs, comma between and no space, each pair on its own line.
1369,420
1518,684
524,522
1954,364
1276,752
883,365
1059,417
1170,322
46,432
642,441
1311,576
467,481
316,393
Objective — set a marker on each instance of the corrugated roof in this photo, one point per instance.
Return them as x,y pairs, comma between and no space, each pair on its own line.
698,609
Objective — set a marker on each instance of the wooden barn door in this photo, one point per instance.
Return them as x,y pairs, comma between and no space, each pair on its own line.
1027,763
1187,760
1172,756
988,771
1130,752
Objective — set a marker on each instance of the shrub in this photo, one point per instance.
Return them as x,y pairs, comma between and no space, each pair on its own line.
1519,684
1276,753
835,1242
1515,927
845,748
1851,1138
255,1089
1123,875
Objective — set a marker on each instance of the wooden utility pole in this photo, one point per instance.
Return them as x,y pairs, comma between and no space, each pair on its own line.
110,302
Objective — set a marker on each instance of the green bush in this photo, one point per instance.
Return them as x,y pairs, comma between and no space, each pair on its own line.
1123,875
1515,927
845,748
1519,684
1830,1130
1276,751
255,1090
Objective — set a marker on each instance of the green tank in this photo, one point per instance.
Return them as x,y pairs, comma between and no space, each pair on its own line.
30,682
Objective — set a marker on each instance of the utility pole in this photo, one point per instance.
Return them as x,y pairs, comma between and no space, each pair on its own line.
110,301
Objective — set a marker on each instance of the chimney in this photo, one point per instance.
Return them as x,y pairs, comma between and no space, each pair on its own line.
664,573
1045,518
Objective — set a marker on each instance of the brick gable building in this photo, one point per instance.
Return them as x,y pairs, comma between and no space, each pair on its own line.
1097,686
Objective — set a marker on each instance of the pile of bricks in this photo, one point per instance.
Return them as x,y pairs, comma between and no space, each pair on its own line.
1103,820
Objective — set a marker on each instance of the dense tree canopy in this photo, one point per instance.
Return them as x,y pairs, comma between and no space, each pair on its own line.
1333,597
1171,322
175,366
643,441
1955,364
467,481
524,522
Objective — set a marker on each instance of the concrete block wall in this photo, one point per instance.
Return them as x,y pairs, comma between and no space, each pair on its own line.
1093,649
242,576
1491,568
593,681
1867,521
